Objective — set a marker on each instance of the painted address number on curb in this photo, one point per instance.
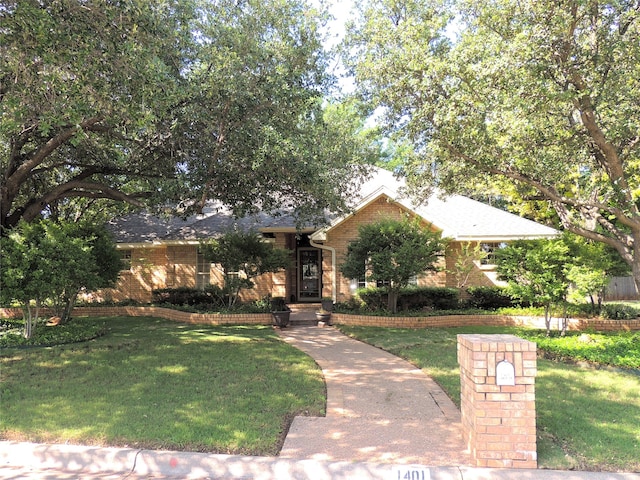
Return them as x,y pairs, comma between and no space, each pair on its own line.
410,473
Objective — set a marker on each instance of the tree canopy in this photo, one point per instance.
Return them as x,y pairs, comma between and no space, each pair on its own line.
391,252
536,271
44,261
153,102
539,95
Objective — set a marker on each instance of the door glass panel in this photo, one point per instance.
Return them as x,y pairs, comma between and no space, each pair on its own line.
309,274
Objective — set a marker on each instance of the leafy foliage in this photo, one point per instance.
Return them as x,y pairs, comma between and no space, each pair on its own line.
489,298
181,296
78,330
411,298
149,103
392,251
536,97
620,350
536,271
48,261
618,311
243,256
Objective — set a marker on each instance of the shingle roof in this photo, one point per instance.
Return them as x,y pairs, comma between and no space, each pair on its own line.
462,218
215,219
458,217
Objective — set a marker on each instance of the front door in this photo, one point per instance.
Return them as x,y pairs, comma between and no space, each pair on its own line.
309,274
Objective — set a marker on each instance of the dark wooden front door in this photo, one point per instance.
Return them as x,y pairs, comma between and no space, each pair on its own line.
309,274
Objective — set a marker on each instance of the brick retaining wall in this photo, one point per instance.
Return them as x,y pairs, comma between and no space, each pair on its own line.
169,314
444,321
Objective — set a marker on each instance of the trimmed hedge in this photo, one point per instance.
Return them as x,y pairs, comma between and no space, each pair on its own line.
181,296
412,298
489,298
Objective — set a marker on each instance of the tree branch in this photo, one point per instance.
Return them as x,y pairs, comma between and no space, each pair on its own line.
76,188
22,172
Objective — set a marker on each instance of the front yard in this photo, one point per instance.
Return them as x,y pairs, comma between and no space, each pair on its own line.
588,418
157,384
160,384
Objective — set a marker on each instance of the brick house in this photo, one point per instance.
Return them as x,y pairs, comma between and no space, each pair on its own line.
163,253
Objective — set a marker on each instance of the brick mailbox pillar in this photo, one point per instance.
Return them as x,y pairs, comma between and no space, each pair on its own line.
497,377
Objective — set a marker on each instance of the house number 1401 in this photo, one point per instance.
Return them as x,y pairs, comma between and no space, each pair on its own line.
411,473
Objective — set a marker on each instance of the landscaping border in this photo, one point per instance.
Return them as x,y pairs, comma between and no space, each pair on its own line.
444,321
447,321
166,313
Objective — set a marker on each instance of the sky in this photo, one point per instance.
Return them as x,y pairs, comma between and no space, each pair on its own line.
341,10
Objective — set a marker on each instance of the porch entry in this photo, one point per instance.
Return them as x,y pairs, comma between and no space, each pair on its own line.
309,274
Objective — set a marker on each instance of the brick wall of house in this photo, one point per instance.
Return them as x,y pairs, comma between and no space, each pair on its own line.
180,266
477,277
173,266
148,271
340,236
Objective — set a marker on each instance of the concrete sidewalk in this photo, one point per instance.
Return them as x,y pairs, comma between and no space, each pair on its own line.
65,462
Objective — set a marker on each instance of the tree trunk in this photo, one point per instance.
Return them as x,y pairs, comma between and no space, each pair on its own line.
565,319
68,308
547,318
635,265
392,301
30,318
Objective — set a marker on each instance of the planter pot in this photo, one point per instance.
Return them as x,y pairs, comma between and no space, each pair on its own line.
281,319
324,317
327,305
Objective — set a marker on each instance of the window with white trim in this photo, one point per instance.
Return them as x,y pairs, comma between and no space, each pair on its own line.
358,283
203,271
125,256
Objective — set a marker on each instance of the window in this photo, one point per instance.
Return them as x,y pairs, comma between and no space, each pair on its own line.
203,271
125,256
413,280
490,249
358,283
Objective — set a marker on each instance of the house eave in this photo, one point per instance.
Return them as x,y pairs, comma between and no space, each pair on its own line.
154,244
502,238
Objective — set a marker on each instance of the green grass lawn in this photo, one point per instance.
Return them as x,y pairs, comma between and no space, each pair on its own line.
152,383
588,418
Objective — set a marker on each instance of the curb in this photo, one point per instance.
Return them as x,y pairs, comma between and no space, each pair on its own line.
193,465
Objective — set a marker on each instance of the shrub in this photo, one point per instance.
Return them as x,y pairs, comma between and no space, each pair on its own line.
412,298
489,298
372,298
181,296
618,311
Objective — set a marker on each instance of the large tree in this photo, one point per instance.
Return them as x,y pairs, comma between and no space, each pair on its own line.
542,95
86,97
151,101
